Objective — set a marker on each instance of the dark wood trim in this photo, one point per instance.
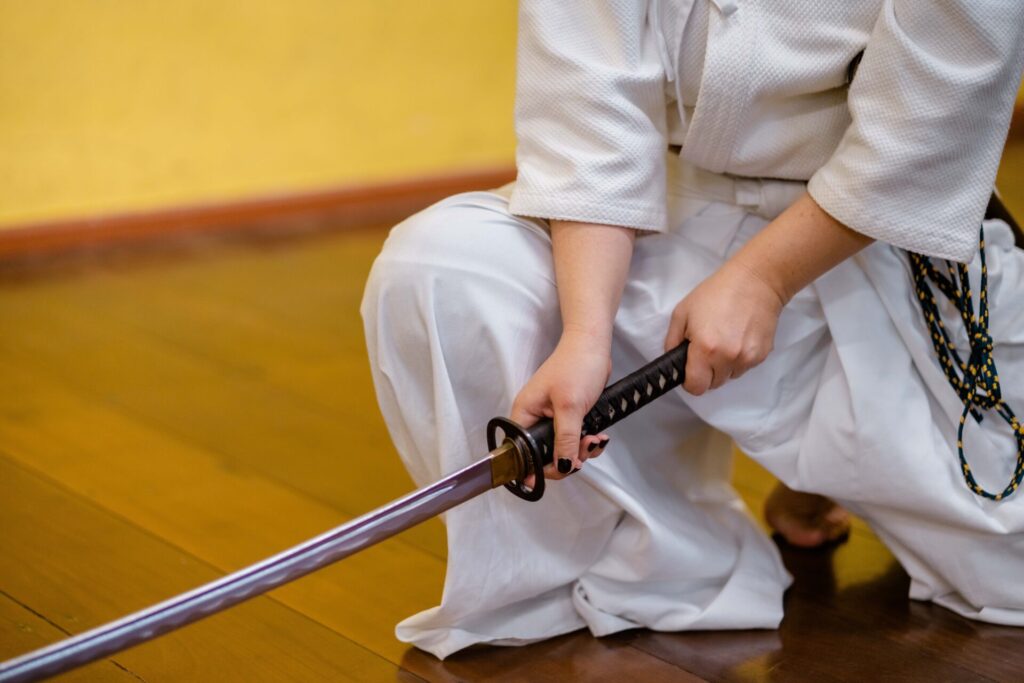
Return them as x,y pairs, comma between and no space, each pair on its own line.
1017,122
344,207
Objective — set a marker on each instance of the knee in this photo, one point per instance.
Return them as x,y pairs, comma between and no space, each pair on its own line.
462,244
417,247
470,228
460,268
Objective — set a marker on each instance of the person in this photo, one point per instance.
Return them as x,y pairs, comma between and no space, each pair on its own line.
707,170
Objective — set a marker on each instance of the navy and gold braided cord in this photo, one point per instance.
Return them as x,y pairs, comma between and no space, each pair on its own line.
976,380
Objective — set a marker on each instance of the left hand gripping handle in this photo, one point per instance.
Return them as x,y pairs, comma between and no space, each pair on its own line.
625,397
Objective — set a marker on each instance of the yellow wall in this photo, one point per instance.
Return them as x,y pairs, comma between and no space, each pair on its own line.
115,105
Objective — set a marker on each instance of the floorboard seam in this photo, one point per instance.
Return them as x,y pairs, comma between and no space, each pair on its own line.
33,611
67,633
199,560
223,459
670,663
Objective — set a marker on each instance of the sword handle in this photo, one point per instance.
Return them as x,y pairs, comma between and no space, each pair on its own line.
617,401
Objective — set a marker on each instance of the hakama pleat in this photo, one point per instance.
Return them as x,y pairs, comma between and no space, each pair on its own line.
461,308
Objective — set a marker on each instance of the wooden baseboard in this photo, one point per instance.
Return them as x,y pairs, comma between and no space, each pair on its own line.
345,207
1017,123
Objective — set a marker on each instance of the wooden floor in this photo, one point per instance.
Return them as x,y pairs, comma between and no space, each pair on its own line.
171,415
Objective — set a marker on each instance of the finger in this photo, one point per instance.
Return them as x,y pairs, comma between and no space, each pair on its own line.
560,468
720,374
568,425
699,372
593,446
587,446
590,446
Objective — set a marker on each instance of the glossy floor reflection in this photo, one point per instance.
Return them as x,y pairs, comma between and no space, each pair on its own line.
862,631
169,415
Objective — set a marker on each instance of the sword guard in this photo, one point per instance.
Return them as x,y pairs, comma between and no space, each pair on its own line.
625,397
534,446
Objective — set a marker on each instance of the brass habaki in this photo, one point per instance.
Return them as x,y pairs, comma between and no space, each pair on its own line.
507,464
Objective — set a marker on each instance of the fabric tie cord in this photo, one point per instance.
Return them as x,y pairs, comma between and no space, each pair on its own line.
975,381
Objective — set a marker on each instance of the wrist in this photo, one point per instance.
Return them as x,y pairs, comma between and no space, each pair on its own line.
587,338
774,284
796,248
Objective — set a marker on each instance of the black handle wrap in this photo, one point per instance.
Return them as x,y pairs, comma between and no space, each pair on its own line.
625,397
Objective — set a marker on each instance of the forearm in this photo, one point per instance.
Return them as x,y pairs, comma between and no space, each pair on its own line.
730,318
591,265
801,244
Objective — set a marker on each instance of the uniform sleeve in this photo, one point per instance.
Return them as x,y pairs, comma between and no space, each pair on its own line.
590,114
930,106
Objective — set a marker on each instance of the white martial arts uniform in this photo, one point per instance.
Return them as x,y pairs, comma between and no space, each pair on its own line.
461,308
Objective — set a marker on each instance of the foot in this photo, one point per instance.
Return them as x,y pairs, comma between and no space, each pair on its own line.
805,520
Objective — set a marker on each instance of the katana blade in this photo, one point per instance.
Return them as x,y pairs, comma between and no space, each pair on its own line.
261,577
521,452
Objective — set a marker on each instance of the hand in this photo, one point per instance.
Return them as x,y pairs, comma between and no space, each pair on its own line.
730,320
565,387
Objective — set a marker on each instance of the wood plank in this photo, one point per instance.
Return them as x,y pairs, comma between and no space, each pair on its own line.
843,604
243,366
21,630
80,567
858,582
879,607
318,356
60,329
225,514
62,457
574,657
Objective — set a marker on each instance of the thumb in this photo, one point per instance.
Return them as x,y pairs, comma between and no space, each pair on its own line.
568,425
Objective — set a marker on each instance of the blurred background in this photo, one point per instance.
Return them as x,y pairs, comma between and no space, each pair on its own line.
181,396
109,107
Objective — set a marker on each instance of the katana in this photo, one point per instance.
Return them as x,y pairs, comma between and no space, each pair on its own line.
515,453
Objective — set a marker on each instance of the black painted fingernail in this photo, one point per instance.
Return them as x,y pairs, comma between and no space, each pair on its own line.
591,447
564,465
604,443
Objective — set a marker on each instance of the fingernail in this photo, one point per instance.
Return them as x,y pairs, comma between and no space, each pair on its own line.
574,470
564,465
604,442
591,447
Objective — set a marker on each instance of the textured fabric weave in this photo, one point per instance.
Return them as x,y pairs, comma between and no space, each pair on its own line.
852,404
907,155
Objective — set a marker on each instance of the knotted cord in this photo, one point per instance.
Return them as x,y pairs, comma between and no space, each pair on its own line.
975,381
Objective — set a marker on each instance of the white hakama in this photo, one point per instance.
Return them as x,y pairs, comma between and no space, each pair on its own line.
461,308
